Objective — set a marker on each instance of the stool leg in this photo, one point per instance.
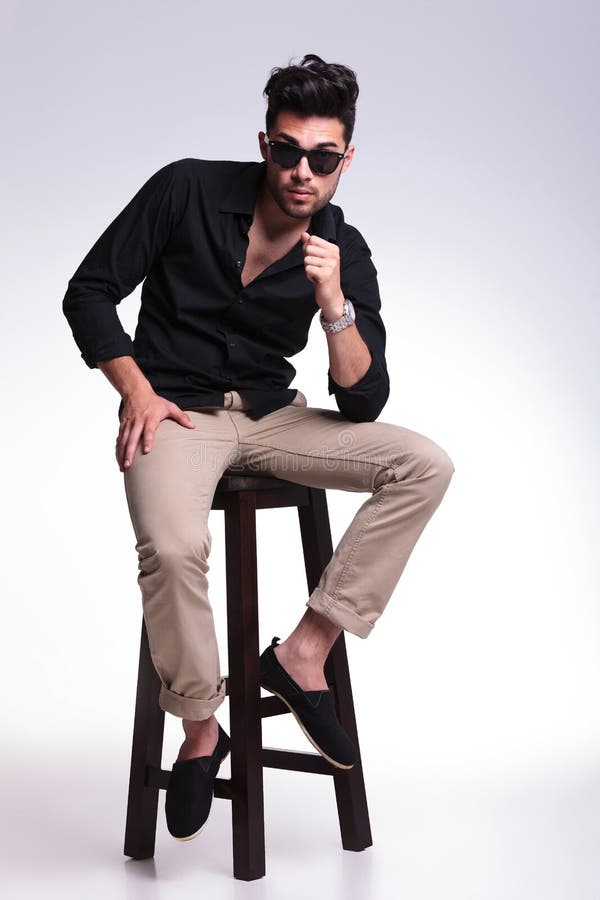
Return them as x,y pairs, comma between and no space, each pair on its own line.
148,729
247,808
350,792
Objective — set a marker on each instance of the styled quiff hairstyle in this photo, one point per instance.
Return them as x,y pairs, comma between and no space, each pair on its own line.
313,88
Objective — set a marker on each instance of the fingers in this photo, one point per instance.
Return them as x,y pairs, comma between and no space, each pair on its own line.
130,432
314,244
182,417
127,443
324,261
316,240
148,439
121,445
316,274
321,258
134,431
131,443
320,270
320,252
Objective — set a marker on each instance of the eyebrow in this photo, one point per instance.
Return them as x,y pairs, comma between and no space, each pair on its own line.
292,140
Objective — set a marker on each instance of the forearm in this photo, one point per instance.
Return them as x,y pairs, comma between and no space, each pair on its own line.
125,375
349,356
357,369
359,381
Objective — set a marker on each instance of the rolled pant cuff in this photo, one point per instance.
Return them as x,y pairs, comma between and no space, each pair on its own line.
339,614
189,707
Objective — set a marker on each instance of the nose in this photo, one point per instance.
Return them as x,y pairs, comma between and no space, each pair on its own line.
302,171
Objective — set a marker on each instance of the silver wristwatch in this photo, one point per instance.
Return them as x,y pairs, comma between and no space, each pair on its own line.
339,324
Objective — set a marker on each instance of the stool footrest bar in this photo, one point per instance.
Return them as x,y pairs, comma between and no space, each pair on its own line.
157,778
271,758
297,761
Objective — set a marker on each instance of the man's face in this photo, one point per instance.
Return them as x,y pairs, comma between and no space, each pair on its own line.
298,191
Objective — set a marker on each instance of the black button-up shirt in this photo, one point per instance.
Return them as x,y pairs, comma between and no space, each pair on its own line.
200,332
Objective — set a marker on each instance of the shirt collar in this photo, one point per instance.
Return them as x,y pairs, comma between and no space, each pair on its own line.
241,198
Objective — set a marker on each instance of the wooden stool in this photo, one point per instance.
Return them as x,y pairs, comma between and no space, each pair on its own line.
240,496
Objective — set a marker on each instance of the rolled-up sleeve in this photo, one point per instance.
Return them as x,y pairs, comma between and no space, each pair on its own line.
364,400
119,260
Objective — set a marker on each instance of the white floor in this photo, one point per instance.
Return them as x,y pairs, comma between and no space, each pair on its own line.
435,838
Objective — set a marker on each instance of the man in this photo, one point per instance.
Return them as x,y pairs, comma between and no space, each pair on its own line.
237,259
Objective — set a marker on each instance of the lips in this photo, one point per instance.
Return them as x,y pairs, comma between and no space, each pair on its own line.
301,194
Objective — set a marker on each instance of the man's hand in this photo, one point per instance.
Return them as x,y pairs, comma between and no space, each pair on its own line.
322,267
142,412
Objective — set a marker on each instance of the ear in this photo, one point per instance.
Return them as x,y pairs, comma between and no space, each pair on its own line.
348,158
262,145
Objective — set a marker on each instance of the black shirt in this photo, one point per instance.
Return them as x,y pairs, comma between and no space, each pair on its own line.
200,332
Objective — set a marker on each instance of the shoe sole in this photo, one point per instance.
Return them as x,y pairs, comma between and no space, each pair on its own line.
202,827
333,762
190,836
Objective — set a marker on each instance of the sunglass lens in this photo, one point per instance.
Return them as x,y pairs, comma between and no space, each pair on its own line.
322,162
285,155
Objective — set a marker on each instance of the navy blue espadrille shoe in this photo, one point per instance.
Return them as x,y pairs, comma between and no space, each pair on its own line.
313,710
190,790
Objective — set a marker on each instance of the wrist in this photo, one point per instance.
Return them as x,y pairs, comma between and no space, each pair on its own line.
126,376
137,389
334,310
347,318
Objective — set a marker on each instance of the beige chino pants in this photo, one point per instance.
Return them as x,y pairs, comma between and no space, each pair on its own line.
170,490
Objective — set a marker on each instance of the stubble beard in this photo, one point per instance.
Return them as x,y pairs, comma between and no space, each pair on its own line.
298,210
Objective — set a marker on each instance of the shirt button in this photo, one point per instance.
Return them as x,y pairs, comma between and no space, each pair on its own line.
238,263
232,343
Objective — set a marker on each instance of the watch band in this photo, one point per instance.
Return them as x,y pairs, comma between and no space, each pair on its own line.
339,324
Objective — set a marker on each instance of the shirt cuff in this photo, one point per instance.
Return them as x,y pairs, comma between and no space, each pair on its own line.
121,346
371,377
363,400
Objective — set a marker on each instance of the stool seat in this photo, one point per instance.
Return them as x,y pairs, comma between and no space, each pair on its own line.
239,493
234,479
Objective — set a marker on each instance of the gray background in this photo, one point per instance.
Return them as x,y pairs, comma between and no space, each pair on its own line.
475,182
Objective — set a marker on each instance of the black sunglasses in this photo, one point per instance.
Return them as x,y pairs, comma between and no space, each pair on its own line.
321,162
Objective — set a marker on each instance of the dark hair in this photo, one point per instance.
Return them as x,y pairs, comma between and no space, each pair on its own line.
313,88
